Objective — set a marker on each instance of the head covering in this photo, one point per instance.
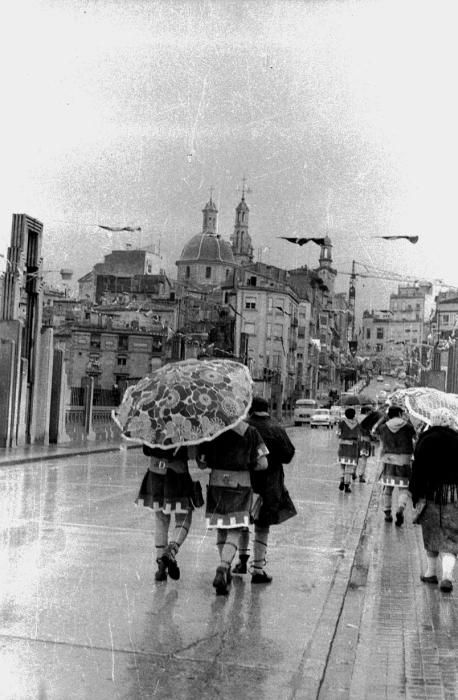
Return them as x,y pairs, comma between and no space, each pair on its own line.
394,411
443,417
259,405
350,413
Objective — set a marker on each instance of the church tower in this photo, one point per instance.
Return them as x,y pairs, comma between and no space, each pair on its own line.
325,270
210,220
241,240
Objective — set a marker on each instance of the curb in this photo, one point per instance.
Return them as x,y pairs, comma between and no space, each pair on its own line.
312,674
7,461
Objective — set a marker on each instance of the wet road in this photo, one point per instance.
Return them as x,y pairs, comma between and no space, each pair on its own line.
81,615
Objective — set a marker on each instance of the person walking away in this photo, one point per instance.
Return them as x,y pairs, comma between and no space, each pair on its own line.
434,489
367,421
167,488
277,505
397,441
232,457
348,431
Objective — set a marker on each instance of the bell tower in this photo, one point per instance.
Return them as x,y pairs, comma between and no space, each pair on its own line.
210,219
326,271
241,239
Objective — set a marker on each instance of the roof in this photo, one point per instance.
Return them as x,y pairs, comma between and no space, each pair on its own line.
207,247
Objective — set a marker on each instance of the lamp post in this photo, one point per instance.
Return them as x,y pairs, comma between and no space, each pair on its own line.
93,370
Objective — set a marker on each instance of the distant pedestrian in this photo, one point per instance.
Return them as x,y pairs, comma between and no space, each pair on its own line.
397,437
434,489
277,505
232,457
367,420
348,431
167,489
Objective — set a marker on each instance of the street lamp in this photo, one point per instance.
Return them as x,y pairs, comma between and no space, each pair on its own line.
93,370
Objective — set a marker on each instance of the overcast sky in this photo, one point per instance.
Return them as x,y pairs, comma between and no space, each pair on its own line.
341,115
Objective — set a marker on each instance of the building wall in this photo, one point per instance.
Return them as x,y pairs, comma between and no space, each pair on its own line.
115,360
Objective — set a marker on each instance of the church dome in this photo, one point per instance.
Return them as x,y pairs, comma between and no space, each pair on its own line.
207,247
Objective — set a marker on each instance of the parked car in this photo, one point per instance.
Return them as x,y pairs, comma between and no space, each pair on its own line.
322,416
303,409
380,378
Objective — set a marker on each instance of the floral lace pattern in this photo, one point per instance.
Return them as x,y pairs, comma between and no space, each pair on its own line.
185,402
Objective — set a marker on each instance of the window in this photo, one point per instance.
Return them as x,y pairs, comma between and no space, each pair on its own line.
368,333
188,272
208,272
122,361
444,318
251,281
123,342
228,272
379,347
379,333
276,360
95,341
250,302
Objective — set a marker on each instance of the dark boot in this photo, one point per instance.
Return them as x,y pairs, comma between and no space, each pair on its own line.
347,488
388,516
261,577
241,566
341,485
170,562
161,573
220,581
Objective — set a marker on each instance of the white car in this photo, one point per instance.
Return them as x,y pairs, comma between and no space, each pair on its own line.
322,417
303,410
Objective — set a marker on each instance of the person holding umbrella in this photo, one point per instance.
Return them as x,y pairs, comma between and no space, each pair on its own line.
176,407
232,457
167,488
434,489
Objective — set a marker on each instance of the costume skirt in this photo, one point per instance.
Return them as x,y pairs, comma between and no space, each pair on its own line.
348,453
228,507
439,525
169,492
395,475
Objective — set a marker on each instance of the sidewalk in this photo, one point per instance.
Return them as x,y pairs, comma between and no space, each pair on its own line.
397,637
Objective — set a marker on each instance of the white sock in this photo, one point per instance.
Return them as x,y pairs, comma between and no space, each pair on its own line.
431,565
448,564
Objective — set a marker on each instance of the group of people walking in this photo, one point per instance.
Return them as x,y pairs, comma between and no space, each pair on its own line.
246,486
423,465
